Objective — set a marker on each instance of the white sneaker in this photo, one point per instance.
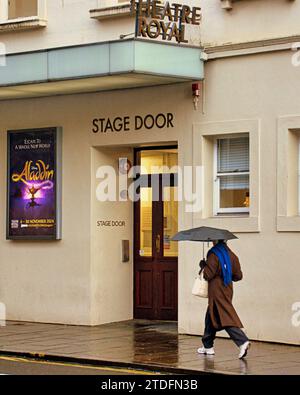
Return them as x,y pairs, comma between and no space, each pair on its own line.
244,349
206,351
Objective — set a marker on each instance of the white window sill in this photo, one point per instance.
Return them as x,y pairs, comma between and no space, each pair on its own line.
115,11
228,4
288,224
242,214
33,22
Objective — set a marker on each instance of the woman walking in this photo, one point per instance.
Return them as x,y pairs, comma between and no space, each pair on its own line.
220,270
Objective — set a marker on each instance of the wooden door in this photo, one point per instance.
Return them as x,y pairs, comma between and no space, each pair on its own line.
156,257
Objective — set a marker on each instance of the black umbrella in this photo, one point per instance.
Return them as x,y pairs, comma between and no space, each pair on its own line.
204,233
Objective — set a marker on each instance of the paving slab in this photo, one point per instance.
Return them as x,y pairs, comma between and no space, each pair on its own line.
144,344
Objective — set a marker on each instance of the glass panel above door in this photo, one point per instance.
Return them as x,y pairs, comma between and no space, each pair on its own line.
159,161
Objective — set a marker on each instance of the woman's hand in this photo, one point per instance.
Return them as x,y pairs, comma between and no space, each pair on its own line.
202,263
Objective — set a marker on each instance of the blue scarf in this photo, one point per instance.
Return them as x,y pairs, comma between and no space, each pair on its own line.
221,251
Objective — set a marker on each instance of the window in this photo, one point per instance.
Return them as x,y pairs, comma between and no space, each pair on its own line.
288,174
241,219
18,15
111,9
22,8
232,175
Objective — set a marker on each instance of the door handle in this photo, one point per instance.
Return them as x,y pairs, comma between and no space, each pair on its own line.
157,244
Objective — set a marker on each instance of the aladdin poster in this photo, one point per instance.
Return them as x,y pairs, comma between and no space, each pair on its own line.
34,184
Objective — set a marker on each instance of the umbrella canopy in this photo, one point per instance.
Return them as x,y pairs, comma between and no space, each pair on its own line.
203,233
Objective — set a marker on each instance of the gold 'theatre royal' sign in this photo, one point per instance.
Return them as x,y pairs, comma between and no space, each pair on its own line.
155,19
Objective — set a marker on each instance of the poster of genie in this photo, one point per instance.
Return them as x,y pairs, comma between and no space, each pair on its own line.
34,184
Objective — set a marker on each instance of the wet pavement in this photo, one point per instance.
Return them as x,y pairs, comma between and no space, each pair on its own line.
144,344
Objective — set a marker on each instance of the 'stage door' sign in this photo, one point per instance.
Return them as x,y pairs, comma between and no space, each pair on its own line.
34,178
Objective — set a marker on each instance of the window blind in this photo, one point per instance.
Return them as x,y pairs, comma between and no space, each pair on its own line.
233,155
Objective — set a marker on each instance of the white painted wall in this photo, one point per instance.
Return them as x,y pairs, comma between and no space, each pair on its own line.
259,87
66,281
111,279
249,20
70,281
69,23
49,281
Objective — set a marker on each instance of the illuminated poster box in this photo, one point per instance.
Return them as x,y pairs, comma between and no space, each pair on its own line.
34,184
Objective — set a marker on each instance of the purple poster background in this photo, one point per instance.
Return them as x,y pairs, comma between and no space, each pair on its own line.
32,183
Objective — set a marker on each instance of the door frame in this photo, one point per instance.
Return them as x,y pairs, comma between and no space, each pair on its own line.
136,219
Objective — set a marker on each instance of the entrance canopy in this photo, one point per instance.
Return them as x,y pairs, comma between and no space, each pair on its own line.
98,67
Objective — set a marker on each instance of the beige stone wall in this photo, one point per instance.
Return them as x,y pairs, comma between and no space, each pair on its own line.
111,279
249,20
263,89
69,23
48,281
81,279
70,281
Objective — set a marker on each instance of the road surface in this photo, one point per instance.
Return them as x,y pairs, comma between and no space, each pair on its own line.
23,366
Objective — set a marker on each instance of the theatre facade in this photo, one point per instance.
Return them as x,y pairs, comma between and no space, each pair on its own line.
122,124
